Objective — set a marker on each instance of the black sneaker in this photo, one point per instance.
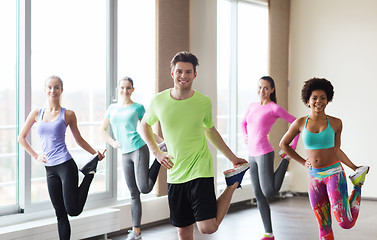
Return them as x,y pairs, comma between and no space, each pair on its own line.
91,166
236,174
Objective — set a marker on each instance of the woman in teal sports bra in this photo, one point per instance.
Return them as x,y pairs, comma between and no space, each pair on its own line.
321,135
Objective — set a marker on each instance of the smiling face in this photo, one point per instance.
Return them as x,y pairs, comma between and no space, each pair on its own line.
125,89
318,100
183,75
53,88
264,90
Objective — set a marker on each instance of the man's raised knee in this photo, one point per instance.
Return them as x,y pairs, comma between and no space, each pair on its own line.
208,229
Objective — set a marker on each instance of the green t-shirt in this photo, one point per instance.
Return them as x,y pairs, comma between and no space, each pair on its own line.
123,121
182,123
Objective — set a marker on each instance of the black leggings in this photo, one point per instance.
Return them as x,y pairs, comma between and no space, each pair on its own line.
65,195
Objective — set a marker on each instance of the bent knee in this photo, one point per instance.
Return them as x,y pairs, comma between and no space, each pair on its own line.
145,190
73,212
346,225
208,229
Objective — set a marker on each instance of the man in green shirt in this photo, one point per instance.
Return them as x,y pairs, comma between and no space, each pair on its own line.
185,116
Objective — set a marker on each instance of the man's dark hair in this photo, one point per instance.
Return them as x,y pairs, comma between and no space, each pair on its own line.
184,56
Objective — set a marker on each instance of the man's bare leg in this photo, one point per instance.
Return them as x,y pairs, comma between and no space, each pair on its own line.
210,226
186,233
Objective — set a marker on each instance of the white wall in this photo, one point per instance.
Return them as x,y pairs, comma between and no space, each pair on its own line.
337,40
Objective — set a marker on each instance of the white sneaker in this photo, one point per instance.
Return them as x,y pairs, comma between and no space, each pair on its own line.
359,175
284,155
133,235
162,146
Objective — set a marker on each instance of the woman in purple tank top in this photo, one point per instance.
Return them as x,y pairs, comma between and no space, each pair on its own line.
61,169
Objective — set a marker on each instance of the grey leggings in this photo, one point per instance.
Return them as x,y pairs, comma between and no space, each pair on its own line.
266,183
139,178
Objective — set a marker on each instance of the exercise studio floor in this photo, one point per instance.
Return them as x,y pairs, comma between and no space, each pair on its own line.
292,219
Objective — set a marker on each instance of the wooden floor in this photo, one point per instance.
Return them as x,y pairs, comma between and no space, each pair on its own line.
292,219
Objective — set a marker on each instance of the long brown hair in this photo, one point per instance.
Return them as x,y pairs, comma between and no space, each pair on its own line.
272,84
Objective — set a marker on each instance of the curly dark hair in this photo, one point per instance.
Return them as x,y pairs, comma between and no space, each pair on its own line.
317,84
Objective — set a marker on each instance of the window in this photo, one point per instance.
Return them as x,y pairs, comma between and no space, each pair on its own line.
136,59
73,48
242,48
224,52
8,118
64,43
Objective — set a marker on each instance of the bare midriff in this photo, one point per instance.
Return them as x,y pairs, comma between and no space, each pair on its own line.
319,158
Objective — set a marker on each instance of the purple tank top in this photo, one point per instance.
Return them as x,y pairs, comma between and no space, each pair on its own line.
52,135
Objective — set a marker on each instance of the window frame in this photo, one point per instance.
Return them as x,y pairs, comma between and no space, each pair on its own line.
9,214
233,115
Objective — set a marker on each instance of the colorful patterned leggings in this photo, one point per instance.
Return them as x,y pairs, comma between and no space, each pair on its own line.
328,189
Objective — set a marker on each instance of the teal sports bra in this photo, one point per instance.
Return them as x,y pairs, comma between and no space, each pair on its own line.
321,140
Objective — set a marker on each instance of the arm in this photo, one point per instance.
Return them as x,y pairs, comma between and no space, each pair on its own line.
213,135
141,113
295,141
284,114
31,119
72,122
158,138
244,131
105,134
292,132
244,126
341,155
148,136
344,159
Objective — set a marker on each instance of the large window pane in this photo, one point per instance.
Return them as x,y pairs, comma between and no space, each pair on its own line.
223,78
242,59
136,59
66,44
252,60
8,134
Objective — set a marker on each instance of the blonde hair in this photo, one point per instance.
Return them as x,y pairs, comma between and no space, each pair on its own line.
55,77
60,81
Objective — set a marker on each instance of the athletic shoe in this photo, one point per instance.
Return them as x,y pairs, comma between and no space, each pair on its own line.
267,238
359,176
284,155
162,147
91,166
236,174
133,235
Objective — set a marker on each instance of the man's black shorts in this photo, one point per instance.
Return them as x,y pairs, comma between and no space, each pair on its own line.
192,201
